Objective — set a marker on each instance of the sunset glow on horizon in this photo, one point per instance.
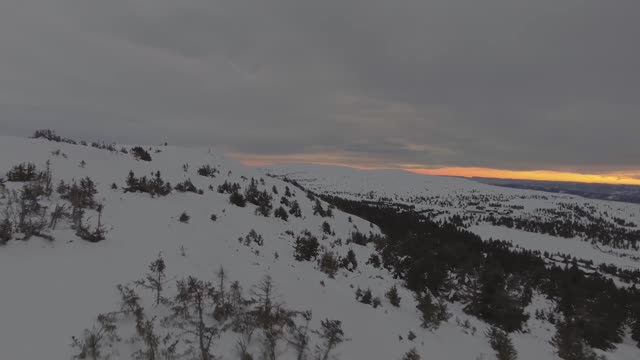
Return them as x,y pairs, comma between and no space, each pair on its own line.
541,175
613,178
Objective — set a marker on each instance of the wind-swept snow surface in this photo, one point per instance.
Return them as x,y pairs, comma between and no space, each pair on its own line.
52,290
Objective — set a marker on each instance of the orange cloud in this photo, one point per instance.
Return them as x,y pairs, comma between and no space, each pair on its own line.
353,161
547,175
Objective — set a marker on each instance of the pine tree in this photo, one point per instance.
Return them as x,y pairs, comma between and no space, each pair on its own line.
295,209
411,355
392,296
155,279
570,344
501,343
281,213
367,297
306,247
433,312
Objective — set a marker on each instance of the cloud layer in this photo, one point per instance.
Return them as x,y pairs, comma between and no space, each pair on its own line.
496,83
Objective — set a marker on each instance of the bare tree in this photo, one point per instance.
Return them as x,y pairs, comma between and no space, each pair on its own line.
194,298
155,279
299,335
332,334
93,342
271,317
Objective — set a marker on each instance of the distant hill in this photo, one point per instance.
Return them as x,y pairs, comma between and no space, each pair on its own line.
624,193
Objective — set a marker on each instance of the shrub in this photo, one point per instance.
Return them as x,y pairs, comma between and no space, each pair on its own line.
228,188
24,172
187,186
392,296
295,209
93,342
366,297
329,264
208,171
374,260
326,228
155,186
376,302
332,335
6,231
433,312
281,213
184,217
411,336
570,344
501,343
253,237
237,199
350,263
85,233
306,247
214,217
140,153
411,355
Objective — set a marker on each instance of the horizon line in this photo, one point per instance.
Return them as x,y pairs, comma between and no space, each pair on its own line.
608,178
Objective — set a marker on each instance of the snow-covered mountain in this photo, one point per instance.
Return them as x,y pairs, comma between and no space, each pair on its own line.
53,289
444,197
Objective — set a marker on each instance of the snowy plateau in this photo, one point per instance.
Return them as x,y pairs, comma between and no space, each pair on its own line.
54,285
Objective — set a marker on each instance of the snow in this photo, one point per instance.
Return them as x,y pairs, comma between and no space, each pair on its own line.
52,291
454,196
574,247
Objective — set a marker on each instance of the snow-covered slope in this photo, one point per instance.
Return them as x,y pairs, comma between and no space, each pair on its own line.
444,197
50,291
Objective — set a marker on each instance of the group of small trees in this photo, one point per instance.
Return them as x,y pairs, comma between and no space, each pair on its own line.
81,196
140,154
187,186
367,298
319,210
306,247
349,263
281,213
208,171
261,199
329,263
51,135
434,312
501,343
190,328
228,188
24,213
570,344
154,186
24,172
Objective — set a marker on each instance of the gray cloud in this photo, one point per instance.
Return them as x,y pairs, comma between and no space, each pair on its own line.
495,83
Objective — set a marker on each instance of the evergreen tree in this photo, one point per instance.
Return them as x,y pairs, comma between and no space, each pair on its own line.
295,209
501,343
411,355
237,199
433,312
281,213
392,296
155,279
306,247
570,344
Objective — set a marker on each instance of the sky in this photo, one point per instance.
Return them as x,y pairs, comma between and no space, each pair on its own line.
493,87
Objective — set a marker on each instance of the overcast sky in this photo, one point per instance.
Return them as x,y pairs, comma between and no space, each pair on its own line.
529,84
